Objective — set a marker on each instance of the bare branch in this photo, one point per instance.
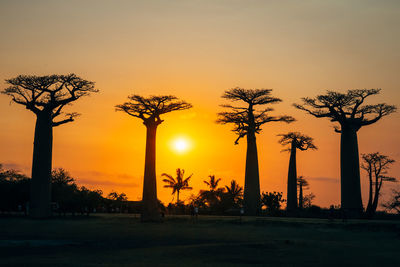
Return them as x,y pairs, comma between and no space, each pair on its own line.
47,93
70,117
346,108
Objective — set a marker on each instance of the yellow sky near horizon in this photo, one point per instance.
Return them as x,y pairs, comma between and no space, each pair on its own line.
196,50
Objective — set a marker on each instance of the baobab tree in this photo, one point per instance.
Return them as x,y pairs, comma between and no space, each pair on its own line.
149,110
247,122
178,184
296,141
348,110
302,184
376,165
46,96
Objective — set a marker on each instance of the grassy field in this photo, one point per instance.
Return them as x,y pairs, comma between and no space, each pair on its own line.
121,240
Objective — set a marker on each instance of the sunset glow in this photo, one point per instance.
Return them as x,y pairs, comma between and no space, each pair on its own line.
181,145
196,51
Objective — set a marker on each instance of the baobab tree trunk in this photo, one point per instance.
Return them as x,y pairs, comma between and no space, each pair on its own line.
374,205
150,210
301,196
292,181
350,173
252,179
369,206
41,167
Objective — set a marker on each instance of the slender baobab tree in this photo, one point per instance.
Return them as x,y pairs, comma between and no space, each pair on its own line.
376,165
302,184
149,110
348,110
46,96
247,122
178,184
296,141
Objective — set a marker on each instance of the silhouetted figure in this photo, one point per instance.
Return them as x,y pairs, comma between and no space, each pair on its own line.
46,96
179,184
348,110
331,215
149,109
302,184
248,122
296,141
376,166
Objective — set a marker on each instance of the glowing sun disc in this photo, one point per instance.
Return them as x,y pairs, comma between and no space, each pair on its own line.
180,145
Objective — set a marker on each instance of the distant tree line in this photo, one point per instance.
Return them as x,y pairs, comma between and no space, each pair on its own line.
67,197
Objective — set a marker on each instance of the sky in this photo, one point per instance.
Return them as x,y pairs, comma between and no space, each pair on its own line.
196,50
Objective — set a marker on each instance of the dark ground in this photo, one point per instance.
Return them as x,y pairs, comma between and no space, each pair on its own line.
121,240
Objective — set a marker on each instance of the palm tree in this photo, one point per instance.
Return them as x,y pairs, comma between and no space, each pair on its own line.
302,184
212,183
211,195
179,184
234,192
296,141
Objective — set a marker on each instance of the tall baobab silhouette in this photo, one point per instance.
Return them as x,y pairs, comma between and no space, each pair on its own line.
376,165
178,184
296,141
302,184
46,96
348,110
248,122
149,110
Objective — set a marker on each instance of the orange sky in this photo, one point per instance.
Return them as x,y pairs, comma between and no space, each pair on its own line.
196,50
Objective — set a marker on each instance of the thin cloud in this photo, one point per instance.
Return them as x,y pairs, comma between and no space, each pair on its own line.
324,179
97,178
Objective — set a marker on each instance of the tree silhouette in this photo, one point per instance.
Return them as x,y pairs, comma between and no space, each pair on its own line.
212,196
394,202
308,200
272,201
348,110
149,109
234,192
296,141
46,96
247,122
376,165
302,184
179,184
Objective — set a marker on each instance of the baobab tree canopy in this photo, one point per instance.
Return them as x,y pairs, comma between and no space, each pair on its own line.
346,108
247,118
301,141
150,108
49,93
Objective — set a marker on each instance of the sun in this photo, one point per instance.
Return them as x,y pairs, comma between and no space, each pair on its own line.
180,145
